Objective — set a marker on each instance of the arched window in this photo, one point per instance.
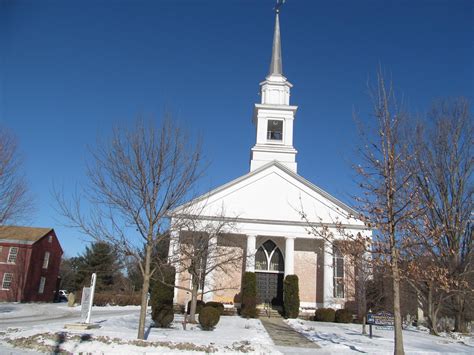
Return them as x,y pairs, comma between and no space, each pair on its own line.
261,262
269,258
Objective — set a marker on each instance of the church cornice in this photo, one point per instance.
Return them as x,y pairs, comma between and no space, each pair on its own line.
276,222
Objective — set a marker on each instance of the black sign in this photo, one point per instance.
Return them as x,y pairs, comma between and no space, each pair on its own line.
381,319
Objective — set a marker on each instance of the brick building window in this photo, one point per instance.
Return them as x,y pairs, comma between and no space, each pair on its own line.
7,281
338,269
41,286
46,260
13,253
50,239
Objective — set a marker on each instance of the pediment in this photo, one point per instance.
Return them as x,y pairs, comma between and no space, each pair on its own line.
271,193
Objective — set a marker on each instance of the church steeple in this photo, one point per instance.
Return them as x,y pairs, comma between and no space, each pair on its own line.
276,65
274,115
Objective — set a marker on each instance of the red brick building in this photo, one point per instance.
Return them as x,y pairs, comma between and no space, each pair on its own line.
29,264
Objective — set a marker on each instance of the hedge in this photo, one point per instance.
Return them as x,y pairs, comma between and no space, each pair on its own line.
209,317
249,295
291,296
161,299
343,316
217,305
325,315
199,305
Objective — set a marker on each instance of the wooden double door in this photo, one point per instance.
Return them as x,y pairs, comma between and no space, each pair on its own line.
270,288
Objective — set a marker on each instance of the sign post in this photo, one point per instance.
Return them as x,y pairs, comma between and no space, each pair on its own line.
88,300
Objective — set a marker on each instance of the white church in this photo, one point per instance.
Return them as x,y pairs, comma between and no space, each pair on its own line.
264,207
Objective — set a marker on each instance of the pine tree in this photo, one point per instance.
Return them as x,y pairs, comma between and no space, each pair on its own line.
102,259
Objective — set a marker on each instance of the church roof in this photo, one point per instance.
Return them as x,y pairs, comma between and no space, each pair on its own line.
228,186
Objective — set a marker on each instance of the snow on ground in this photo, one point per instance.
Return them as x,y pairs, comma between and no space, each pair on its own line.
347,338
117,333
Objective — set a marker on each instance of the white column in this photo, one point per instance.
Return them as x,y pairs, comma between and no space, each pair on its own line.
251,250
173,256
328,275
210,282
289,256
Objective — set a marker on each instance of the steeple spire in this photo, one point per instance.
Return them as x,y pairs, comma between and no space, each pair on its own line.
276,66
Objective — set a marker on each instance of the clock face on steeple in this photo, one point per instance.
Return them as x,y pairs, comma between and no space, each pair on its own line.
275,130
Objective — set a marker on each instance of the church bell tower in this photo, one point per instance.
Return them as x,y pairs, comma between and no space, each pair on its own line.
274,116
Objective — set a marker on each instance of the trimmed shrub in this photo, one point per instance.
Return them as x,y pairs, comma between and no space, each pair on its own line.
343,316
217,305
161,298
199,305
291,296
208,318
249,295
325,315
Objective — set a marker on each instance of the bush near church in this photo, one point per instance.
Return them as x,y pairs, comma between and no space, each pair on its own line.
249,295
217,305
291,296
199,306
209,317
325,315
343,316
162,298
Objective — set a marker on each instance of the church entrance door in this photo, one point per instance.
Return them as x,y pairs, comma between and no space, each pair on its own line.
269,268
270,288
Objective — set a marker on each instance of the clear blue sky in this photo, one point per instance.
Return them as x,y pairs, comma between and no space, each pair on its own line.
71,70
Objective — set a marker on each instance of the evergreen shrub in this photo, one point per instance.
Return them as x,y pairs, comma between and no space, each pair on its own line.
343,316
208,318
162,298
199,305
217,305
249,295
325,315
291,296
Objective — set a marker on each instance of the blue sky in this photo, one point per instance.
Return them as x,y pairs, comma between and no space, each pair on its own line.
71,70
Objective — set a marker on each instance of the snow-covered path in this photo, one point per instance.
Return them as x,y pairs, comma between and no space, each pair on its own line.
347,339
29,314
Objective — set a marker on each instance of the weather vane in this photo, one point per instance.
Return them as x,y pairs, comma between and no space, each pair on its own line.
278,5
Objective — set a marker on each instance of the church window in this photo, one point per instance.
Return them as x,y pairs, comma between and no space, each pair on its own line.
261,260
275,130
269,258
338,270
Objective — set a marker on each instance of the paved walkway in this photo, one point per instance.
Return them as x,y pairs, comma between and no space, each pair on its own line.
284,336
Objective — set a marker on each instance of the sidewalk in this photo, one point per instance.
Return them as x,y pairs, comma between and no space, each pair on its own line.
285,338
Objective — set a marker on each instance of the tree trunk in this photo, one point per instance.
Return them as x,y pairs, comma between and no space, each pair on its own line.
398,350
192,312
432,313
146,286
459,323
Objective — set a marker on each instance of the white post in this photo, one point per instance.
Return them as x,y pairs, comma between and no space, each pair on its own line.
209,283
93,279
328,275
251,250
173,256
289,256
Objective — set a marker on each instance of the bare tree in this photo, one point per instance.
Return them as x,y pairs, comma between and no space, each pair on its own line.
443,147
387,188
15,202
135,179
203,250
